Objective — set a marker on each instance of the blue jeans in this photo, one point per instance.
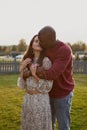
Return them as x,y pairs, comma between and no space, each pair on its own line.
61,112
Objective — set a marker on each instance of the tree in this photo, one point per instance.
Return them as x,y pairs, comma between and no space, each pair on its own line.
0,48
22,45
14,48
3,48
79,46
8,50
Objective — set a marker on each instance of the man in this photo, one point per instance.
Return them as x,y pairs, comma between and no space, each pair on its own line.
61,73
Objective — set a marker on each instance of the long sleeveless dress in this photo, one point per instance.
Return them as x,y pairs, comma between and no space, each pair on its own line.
36,110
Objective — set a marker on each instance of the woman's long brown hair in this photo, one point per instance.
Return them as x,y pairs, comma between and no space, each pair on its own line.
29,52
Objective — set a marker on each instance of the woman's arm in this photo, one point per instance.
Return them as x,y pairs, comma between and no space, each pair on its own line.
44,86
33,69
24,72
21,83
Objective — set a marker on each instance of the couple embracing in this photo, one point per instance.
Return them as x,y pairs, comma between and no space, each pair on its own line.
46,74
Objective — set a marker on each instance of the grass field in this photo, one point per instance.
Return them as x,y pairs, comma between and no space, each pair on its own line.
11,100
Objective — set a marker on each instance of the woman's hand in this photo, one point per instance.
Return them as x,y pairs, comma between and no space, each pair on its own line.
24,64
33,69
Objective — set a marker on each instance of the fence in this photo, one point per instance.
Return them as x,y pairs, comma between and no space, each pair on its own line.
9,66
80,66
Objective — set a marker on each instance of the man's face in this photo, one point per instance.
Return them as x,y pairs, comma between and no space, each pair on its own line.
47,37
44,43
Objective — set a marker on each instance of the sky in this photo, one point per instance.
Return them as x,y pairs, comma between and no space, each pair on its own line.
24,18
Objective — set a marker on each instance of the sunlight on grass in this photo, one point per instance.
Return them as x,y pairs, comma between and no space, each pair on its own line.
11,101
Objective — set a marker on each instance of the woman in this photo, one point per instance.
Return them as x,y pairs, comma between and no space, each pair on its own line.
36,113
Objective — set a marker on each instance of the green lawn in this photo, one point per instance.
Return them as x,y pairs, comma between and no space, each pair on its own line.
11,100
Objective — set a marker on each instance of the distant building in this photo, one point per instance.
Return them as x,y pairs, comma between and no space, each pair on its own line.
2,53
81,55
15,53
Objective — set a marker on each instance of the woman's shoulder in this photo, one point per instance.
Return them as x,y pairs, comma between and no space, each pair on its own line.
46,63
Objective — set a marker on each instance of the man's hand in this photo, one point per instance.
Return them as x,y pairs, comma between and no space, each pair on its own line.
26,74
40,72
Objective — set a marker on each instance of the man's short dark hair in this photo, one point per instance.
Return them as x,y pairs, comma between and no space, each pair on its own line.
47,37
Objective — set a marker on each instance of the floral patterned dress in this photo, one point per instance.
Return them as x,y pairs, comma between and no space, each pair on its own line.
36,111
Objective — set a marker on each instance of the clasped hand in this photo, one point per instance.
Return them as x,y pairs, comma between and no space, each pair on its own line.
24,64
33,68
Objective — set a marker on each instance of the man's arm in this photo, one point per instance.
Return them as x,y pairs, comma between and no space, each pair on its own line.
26,74
59,65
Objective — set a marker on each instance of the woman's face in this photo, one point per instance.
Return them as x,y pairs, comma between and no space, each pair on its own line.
36,46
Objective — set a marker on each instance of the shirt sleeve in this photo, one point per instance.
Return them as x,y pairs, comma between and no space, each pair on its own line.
63,57
21,83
